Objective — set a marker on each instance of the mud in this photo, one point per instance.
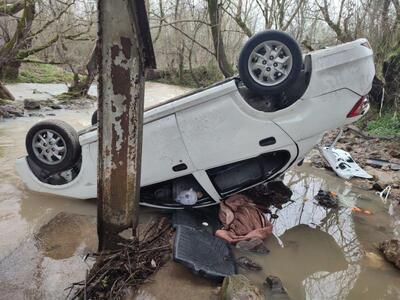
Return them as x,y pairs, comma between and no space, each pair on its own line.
65,233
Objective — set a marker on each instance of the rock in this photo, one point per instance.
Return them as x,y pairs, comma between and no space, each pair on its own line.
275,288
362,183
384,178
391,251
377,187
38,115
50,114
31,104
56,106
11,111
238,287
253,245
247,264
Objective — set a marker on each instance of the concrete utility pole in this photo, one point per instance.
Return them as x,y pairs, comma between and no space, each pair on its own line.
125,49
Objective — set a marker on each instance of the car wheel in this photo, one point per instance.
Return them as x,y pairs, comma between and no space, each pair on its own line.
270,62
94,118
53,145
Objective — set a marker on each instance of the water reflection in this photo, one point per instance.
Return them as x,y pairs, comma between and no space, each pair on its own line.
322,253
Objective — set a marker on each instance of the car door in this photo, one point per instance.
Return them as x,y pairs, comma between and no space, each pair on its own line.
226,129
164,155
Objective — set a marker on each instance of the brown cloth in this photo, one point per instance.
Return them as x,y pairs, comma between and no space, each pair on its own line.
242,220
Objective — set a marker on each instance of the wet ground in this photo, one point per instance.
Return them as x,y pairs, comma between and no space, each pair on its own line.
318,253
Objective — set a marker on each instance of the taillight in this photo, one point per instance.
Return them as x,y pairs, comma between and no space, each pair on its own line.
359,108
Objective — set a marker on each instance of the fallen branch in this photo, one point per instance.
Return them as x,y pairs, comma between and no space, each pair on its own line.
115,273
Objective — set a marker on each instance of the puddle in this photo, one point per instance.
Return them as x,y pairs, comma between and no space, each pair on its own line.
318,253
321,253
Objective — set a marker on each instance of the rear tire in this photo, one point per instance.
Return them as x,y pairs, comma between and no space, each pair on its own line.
53,145
270,62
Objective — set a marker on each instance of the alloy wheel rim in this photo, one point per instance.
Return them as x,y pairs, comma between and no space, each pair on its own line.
270,63
49,146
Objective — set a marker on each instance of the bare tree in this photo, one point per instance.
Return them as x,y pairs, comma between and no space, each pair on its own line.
215,24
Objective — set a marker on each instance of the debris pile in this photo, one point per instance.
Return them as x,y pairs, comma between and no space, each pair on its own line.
378,156
327,199
274,193
116,272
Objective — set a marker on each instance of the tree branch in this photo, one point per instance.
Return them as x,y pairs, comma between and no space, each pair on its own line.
7,9
25,53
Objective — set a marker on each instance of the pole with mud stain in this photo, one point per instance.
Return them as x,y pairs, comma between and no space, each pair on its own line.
123,35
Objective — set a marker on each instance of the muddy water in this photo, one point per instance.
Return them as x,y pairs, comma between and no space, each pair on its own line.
321,253
318,253
155,92
41,264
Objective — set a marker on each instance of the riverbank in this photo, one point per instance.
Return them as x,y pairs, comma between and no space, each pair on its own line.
41,100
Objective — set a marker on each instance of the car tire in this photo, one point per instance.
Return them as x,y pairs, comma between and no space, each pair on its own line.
270,62
94,118
53,145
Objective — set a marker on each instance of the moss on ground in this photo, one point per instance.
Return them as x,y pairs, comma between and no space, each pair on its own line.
42,73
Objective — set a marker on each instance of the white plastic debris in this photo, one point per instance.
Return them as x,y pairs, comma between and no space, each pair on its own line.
384,194
187,197
343,164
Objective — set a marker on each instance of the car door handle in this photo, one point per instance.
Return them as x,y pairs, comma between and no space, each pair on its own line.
267,141
179,167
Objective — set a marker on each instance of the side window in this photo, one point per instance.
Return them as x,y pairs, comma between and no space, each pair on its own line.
239,175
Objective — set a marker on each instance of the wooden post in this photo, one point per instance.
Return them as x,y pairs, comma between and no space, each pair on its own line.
120,96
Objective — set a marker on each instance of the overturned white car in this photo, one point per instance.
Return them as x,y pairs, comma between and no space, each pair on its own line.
228,137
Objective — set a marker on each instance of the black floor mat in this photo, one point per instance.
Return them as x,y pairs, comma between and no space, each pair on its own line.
203,253
202,219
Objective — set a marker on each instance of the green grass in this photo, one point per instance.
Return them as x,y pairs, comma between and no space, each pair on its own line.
42,73
387,125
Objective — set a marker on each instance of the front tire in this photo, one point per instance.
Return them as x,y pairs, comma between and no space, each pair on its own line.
270,62
53,145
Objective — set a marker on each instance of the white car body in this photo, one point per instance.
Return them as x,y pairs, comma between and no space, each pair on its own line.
216,126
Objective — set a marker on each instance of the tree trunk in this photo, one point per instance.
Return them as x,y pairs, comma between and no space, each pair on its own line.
81,88
391,69
5,93
9,51
121,96
215,20
10,70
